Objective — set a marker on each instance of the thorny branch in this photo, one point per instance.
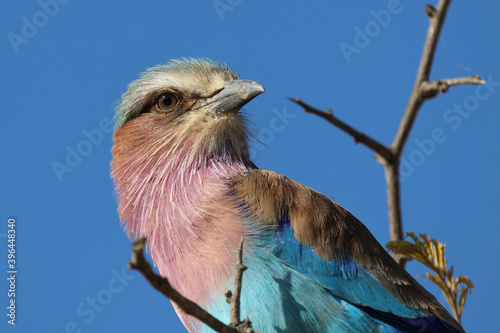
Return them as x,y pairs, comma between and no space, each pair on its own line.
423,89
139,263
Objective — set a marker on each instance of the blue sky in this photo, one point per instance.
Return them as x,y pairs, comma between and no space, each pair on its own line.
65,64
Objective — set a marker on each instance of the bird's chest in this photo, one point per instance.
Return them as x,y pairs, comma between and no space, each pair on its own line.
196,231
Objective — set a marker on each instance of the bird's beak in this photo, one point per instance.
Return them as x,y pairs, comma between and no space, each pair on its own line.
233,96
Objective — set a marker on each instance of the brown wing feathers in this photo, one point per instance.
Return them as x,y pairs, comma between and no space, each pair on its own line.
329,230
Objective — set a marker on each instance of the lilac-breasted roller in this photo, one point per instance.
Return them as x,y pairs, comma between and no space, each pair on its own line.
185,181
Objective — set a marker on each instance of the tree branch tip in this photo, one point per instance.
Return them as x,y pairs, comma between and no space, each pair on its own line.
429,89
430,11
475,79
298,101
139,244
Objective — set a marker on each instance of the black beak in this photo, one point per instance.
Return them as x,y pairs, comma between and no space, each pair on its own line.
234,95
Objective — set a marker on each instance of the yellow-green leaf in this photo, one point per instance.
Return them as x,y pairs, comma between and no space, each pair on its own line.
431,253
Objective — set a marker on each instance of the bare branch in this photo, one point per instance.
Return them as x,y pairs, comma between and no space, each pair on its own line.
436,21
235,297
432,88
359,137
423,89
139,263
394,206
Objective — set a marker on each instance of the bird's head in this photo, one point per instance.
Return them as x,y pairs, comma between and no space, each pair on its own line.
187,107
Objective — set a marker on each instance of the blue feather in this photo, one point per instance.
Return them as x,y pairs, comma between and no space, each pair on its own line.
278,298
289,285
345,278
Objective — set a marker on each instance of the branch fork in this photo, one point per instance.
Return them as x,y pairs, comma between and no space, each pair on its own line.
390,155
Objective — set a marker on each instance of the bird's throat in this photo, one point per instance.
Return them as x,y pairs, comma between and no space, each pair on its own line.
167,195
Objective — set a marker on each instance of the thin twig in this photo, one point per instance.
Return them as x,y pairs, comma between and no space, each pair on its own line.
359,137
234,300
430,89
423,90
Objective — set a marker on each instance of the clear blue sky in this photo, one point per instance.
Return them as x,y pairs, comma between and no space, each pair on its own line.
64,67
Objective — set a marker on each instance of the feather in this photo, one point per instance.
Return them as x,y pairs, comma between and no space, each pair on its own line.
326,243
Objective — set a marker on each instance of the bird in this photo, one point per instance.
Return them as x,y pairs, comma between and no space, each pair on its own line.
184,180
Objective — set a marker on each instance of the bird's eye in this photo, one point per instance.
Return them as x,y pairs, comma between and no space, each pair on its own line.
166,102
